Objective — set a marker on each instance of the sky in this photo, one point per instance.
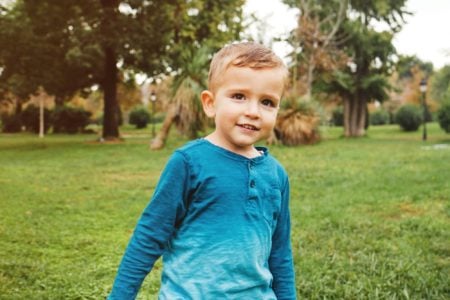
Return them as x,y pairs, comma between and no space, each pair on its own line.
426,33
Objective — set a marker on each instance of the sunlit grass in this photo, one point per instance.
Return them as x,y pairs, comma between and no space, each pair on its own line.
370,216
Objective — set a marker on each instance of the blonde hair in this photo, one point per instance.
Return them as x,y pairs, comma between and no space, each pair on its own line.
245,54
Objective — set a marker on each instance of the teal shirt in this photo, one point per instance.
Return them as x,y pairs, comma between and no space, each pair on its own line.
221,222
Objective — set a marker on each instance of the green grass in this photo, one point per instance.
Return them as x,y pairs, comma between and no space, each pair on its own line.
370,216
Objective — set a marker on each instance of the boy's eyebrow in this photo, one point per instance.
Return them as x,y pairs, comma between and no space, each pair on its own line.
246,90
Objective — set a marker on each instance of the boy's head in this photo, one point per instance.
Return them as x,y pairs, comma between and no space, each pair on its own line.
245,54
246,82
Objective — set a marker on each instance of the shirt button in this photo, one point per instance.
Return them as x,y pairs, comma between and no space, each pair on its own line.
252,184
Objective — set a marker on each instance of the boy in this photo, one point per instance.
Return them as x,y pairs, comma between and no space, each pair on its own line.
219,215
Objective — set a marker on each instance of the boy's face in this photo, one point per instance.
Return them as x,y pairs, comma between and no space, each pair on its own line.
244,106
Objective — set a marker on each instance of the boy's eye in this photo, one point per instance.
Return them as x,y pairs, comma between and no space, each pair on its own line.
238,96
268,102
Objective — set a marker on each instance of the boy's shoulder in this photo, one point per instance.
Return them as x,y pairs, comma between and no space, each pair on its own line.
271,159
282,174
192,151
192,147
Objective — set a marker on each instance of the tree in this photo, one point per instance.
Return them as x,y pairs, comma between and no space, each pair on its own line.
31,59
440,84
409,72
407,63
316,43
101,36
185,107
341,52
364,79
371,52
316,40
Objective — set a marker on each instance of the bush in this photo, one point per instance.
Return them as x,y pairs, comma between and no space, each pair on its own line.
409,117
443,116
30,119
67,119
11,123
139,117
337,118
379,117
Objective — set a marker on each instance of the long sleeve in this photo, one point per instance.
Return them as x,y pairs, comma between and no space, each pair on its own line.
154,229
280,260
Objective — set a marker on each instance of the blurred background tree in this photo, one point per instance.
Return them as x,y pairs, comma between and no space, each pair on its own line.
65,46
440,85
356,59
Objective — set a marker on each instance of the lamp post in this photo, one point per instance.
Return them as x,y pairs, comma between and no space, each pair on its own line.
153,100
41,115
423,89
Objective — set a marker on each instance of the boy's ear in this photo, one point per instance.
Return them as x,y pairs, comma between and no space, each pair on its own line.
208,103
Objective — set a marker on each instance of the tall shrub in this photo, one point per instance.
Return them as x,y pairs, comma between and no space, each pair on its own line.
379,117
139,117
11,123
409,117
67,119
443,116
337,117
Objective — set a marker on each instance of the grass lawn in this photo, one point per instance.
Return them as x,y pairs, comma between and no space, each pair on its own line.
370,216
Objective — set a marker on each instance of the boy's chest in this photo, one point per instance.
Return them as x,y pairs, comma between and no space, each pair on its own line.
240,192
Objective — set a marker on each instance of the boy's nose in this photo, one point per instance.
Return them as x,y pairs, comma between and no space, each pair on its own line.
252,109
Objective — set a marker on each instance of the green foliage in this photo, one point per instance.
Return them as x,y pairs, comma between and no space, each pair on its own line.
139,117
337,117
370,55
33,56
11,123
443,116
440,84
30,119
186,89
310,107
379,117
376,87
306,107
68,119
409,117
68,46
369,219
390,11
406,63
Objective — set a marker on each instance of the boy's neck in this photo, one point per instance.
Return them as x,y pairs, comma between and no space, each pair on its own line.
252,152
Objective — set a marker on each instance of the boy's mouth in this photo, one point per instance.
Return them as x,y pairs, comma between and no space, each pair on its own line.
248,126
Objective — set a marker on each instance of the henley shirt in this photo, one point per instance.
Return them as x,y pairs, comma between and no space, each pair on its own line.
222,225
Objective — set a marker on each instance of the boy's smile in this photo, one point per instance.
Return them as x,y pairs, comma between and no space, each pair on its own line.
244,105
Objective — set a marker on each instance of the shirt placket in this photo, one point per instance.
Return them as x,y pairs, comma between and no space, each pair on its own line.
252,191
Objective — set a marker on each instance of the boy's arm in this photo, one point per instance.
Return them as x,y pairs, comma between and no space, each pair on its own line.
154,229
280,260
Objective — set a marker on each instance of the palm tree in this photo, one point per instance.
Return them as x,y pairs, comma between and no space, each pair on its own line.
298,124
184,109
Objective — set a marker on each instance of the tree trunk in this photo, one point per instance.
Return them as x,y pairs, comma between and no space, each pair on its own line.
361,125
18,106
110,116
109,84
310,78
347,114
355,116
160,139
